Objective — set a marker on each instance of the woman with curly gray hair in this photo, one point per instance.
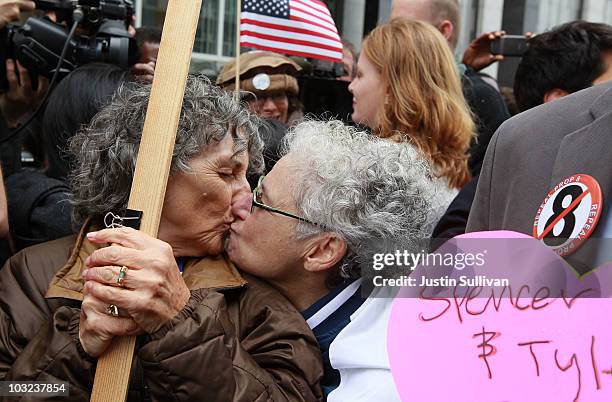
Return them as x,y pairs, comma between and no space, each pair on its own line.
334,197
208,332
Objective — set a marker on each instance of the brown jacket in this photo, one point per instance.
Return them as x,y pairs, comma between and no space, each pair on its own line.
234,341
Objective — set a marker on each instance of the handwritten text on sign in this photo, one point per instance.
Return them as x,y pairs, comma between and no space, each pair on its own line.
473,347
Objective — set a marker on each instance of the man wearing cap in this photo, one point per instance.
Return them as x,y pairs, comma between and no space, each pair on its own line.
270,77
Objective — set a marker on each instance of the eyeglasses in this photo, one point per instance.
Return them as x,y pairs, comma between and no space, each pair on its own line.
257,203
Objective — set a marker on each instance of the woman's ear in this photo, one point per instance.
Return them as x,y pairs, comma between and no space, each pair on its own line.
324,252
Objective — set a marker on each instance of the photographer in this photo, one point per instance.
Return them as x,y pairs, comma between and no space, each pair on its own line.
38,202
22,97
42,49
147,39
13,103
70,61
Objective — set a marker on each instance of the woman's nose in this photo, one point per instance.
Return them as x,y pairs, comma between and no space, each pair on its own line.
269,104
241,205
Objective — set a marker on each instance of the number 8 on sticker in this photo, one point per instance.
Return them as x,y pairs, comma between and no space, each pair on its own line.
569,213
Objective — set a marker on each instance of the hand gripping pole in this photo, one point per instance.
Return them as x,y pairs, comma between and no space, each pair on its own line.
152,168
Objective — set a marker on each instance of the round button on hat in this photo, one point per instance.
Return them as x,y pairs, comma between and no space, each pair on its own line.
261,81
262,72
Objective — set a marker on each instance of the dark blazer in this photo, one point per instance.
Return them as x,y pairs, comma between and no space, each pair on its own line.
489,111
454,220
535,150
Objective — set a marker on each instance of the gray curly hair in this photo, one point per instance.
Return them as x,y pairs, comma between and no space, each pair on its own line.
105,152
364,188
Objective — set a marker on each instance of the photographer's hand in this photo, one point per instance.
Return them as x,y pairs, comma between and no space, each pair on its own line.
478,54
21,97
10,10
144,71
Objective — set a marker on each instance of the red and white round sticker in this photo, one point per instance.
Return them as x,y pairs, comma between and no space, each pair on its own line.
569,213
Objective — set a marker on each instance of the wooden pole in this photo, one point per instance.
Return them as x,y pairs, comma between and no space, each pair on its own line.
237,82
152,168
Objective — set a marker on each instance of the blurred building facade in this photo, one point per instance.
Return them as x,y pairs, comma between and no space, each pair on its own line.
216,35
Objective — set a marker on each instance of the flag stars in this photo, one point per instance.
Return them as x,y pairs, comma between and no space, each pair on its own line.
280,12
271,8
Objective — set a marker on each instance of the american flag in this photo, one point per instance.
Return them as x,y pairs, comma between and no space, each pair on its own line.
297,27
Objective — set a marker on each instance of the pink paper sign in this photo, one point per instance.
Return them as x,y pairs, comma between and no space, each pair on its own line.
501,349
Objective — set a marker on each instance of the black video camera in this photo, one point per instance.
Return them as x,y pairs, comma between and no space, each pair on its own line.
38,43
322,69
321,93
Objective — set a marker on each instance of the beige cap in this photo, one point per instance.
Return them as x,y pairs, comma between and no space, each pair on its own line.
261,72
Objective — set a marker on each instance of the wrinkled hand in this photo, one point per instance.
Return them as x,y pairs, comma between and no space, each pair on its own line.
10,10
144,71
478,54
97,329
153,289
21,97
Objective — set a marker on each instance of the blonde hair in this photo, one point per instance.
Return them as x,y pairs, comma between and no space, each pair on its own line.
424,101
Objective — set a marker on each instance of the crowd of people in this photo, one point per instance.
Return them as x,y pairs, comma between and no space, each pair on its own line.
253,289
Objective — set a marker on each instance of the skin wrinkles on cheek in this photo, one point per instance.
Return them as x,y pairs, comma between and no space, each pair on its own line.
197,209
262,244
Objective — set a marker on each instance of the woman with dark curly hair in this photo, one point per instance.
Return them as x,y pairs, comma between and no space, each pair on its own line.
206,331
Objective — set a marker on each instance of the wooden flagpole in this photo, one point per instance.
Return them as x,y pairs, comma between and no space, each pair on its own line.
152,168
237,82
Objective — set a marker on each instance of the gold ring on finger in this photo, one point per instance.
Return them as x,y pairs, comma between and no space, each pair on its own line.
112,310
